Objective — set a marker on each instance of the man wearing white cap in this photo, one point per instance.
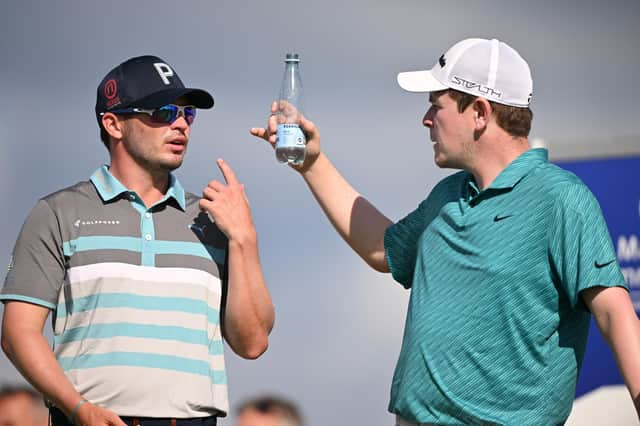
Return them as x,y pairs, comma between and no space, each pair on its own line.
506,259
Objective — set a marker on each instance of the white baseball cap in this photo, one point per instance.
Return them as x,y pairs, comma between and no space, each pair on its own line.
487,68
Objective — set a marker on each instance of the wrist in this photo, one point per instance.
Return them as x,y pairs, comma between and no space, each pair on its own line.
309,167
76,408
243,238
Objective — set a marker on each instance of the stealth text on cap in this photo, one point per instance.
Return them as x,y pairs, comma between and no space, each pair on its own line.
475,86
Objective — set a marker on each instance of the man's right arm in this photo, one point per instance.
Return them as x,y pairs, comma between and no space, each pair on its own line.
357,221
28,350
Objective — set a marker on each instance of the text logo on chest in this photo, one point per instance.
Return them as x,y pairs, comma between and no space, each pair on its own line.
82,223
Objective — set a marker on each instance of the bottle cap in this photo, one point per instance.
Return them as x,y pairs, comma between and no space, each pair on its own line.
292,57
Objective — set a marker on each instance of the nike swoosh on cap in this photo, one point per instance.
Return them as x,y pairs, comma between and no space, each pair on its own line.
498,218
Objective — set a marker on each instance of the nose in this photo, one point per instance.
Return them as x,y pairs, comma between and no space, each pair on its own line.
180,123
427,120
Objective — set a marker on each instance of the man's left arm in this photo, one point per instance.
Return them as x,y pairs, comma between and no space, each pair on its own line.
248,311
619,325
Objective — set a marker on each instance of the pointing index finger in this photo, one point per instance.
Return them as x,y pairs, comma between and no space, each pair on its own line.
229,175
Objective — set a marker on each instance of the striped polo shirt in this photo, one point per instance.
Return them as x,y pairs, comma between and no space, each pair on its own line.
496,328
135,294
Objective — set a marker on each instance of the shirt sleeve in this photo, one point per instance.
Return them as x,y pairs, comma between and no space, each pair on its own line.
581,251
37,267
401,244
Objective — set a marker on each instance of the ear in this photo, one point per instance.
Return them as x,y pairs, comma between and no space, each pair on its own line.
481,113
113,125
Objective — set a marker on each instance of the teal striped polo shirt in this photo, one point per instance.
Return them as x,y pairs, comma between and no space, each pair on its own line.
135,294
496,328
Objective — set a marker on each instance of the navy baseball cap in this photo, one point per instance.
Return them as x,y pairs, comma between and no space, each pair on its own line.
145,82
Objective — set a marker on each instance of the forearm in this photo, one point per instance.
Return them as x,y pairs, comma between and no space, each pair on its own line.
249,313
30,353
357,221
622,331
618,323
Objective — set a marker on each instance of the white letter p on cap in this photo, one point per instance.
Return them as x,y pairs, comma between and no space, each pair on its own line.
164,70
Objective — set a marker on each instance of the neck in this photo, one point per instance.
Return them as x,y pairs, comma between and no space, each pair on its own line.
494,155
150,185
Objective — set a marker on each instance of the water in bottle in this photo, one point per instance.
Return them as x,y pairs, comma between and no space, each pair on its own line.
291,142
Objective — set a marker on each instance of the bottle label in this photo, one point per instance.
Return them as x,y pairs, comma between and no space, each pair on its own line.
290,135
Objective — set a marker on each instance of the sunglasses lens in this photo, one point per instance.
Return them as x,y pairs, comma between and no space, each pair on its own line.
165,114
169,113
190,114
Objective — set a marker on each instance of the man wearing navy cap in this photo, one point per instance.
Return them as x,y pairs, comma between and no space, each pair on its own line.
506,260
144,279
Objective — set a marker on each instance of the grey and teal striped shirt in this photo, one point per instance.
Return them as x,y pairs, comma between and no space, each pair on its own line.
135,294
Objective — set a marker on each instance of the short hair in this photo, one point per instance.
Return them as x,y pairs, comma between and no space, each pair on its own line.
514,120
279,406
104,136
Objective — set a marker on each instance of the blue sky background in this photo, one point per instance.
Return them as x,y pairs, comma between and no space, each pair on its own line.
339,324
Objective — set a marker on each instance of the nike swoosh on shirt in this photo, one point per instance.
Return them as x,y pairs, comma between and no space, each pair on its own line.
602,265
498,218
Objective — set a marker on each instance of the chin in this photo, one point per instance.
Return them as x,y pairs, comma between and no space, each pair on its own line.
443,163
440,162
171,165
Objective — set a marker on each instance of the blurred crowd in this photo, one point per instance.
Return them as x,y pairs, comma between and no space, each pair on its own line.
268,411
20,405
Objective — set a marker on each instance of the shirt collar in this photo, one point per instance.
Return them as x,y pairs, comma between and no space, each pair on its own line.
109,187
519,168
515,171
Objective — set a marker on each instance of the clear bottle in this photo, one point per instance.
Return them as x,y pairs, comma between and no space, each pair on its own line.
291,142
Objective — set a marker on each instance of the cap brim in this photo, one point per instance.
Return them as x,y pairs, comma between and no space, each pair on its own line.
196,97
419,81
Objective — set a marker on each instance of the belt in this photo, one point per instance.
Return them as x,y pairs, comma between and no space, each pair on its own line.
59,419
158,421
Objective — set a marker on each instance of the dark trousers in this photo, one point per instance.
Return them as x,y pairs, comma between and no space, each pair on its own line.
59,419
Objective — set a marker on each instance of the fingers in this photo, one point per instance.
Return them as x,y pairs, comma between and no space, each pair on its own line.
272,124
212,190
229,175
288,109
204,205
268,133
308,127
102,416
260,132
215,188
118,422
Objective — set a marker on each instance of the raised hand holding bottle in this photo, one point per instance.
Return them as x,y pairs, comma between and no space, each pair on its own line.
291,142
